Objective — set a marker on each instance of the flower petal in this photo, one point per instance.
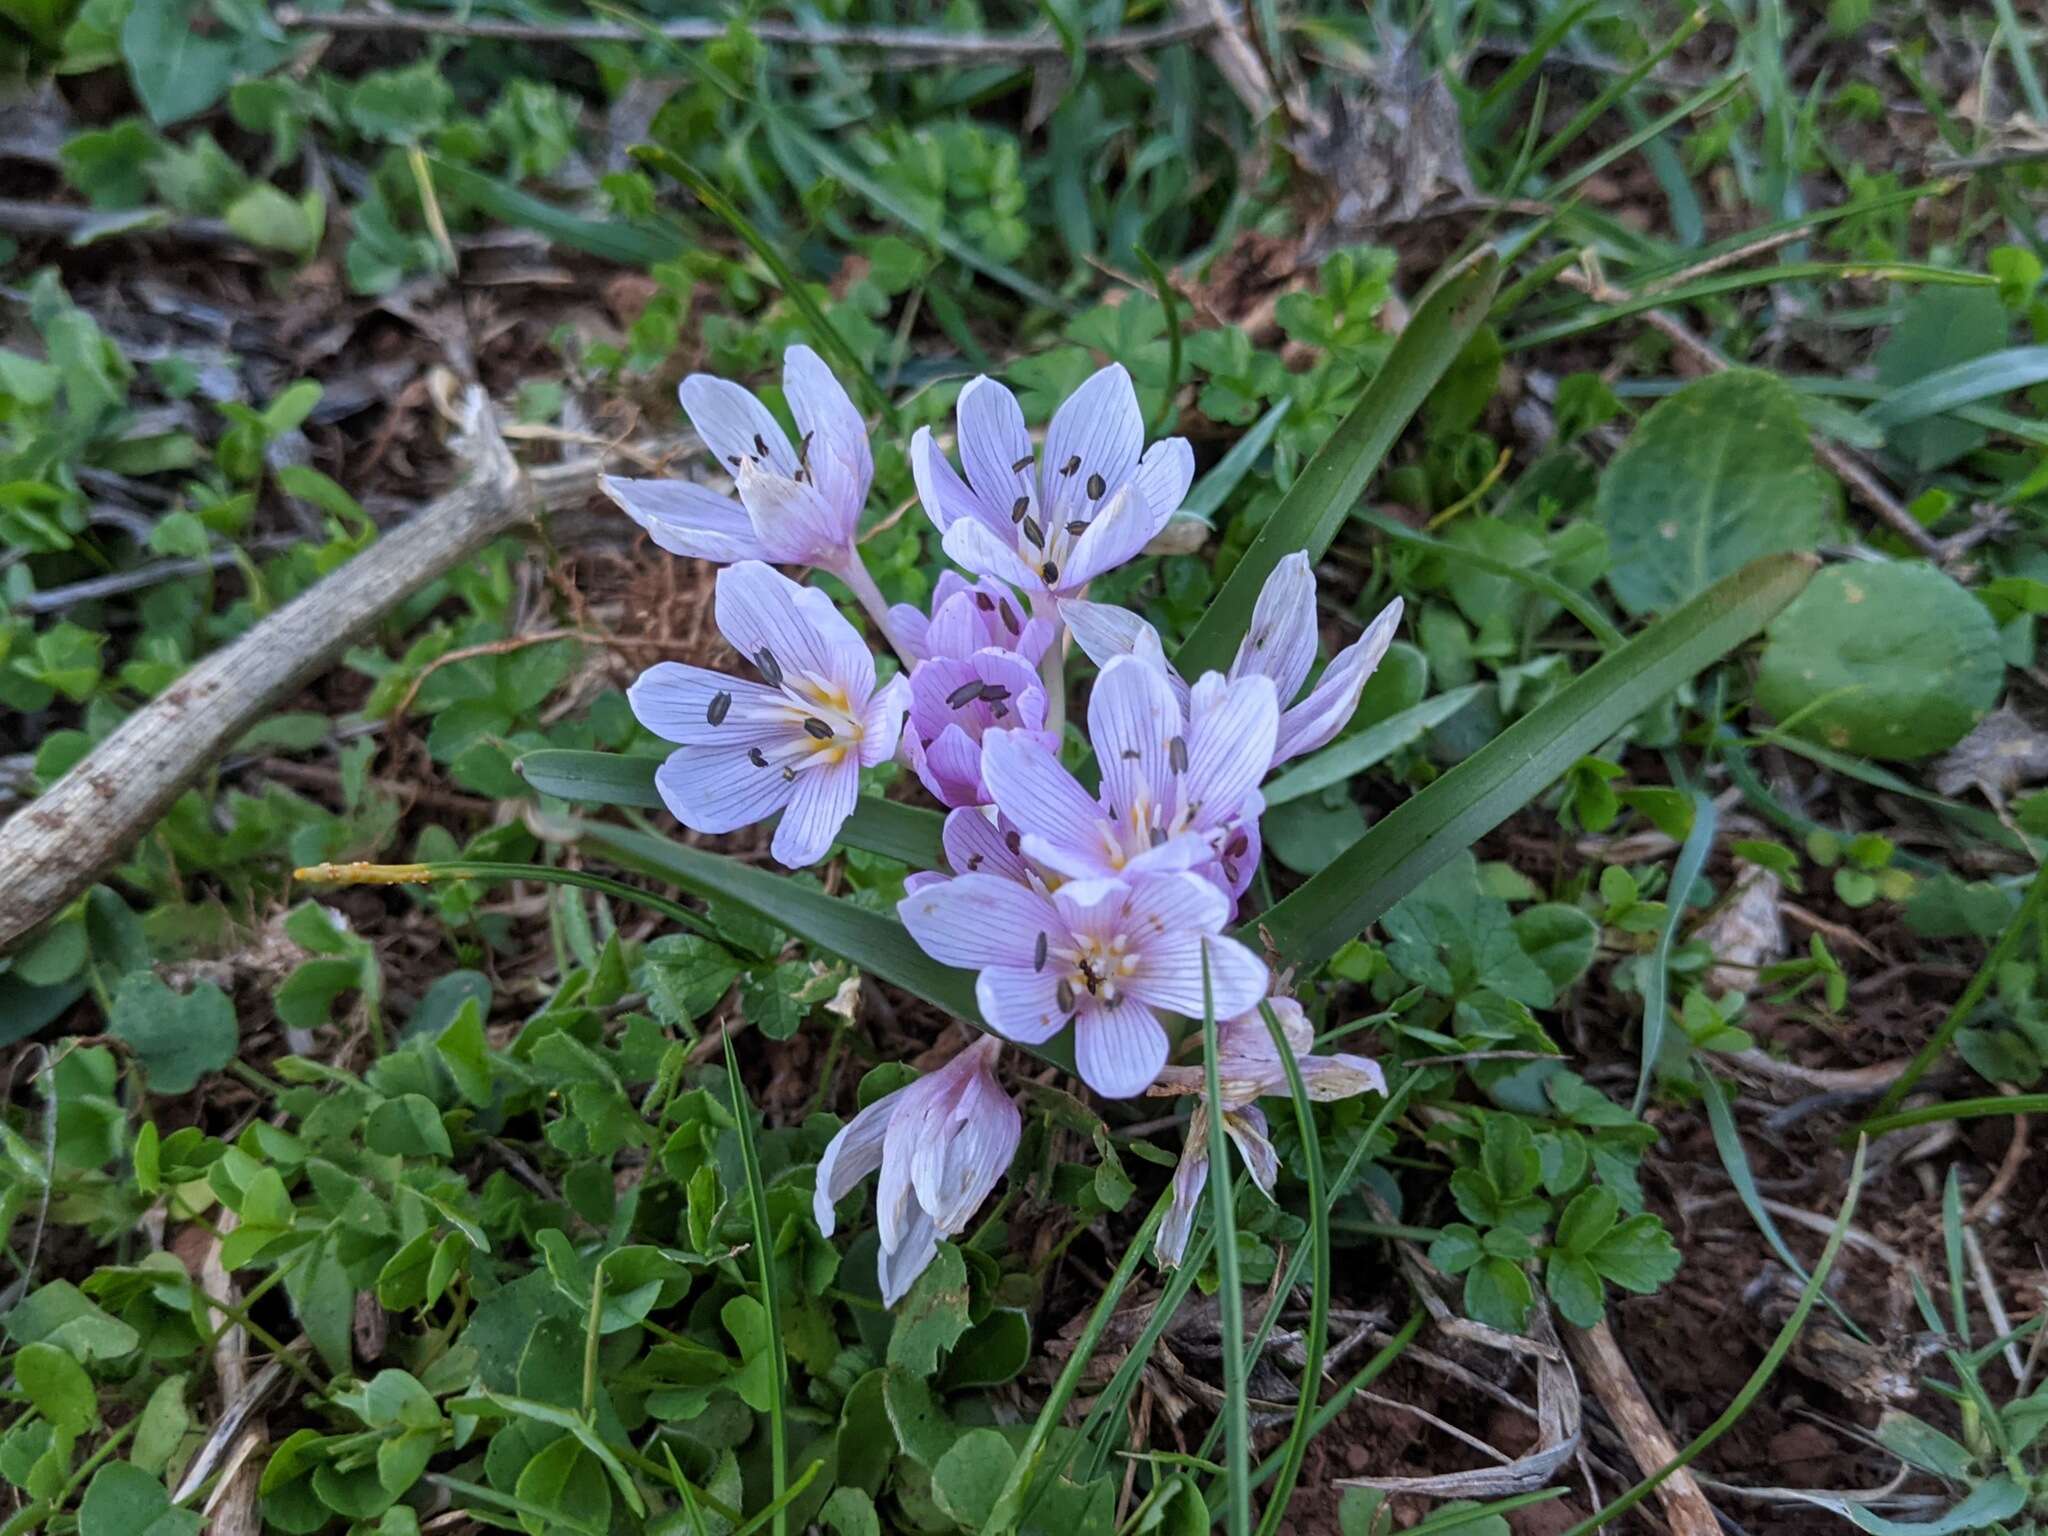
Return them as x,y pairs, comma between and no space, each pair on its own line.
1340,1077
1164,475
944,496
1119,1050
1100,425
1281,642
993,441
974,842
841,463
676,702
735,425
908,624
1038,796
716,789
1132,719
1123,528
897,1269
1190,1177
882,721
819,804
1170,976
687,519
793,521
758,608
1334,699
1177,904
1247,1127
852,1155
975,921
970,545
1231,731
1020,1003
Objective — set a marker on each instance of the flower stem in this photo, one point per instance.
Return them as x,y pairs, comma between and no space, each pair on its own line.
854,572
1052,667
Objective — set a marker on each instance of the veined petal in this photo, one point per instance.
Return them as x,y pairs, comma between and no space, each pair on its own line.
851,1156
793,521
1231,732
717,789
1247,1127
819,803
1341,1076
1334,699
897,1269
1190,1178
1171,975
841,463
970,545
1164,475
1281,642
1119,1049
1038,796
944,496
1020,1003
979,920
1100,425
975,843
908,624
882,721
949,766
758,608
1133,718
687,519
1179,903
735,425
1122,529
677,701
993,442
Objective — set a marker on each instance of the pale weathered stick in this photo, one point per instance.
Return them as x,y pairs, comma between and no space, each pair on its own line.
54,847
1602,1366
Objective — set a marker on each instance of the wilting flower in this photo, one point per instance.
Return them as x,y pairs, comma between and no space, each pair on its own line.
797,506
795,741
1104,955
1094,502
1177,786
941,1144
953,701
1249,1068
1280,644
970,616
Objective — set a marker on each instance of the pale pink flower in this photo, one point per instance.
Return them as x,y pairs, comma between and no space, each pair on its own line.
954,702
969,616
940,1143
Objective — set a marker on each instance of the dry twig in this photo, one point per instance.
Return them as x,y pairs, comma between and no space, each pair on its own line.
1601,1363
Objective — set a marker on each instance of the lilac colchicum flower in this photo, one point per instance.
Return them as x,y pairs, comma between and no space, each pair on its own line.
796,505
969,616
1248,1068
1178,787
1103,955
1281,645
940,1143
1050,527
953,703
793,742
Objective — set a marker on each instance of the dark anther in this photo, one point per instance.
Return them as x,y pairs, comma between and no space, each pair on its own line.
720,703
994,693
817,728
1177,754
754,756
1132,754
1066,995
1010,617
760,445
1038,954
1013,842
1022,464
973,862
1051,572
1000,710
788,775
1071,465
1096,486
1237,846
1034,533
770,668
966,693
1158,836
1078,527
1022,506
984,602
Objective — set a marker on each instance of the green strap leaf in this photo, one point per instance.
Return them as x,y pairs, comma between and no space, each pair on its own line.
1509,771
1329,486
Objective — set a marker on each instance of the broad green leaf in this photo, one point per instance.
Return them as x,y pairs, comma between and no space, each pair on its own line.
1328,489
1420,835
1575,1286
1940,329
970,1476
181,61
177,1038
58,1388
932,1317
1498,1294
1715,477
124,1500
1883,659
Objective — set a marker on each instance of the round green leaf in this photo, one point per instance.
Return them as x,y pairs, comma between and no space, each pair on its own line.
124,1500
178,1039
58,1387
1884,660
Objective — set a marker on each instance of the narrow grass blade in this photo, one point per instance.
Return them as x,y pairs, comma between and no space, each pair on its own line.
1170,306
1577,604
1108,1407
1208,494
1003,1517
1759,1378
631,243
906,832
1311,1391
1956,1109
823,333
1938,1044
771,1302
879,945
1981,378
1237,1429
2022,59
1379,869
1728,1143
1597,108
1330,484
1340,1399
1513,77
1692,857
1354,754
